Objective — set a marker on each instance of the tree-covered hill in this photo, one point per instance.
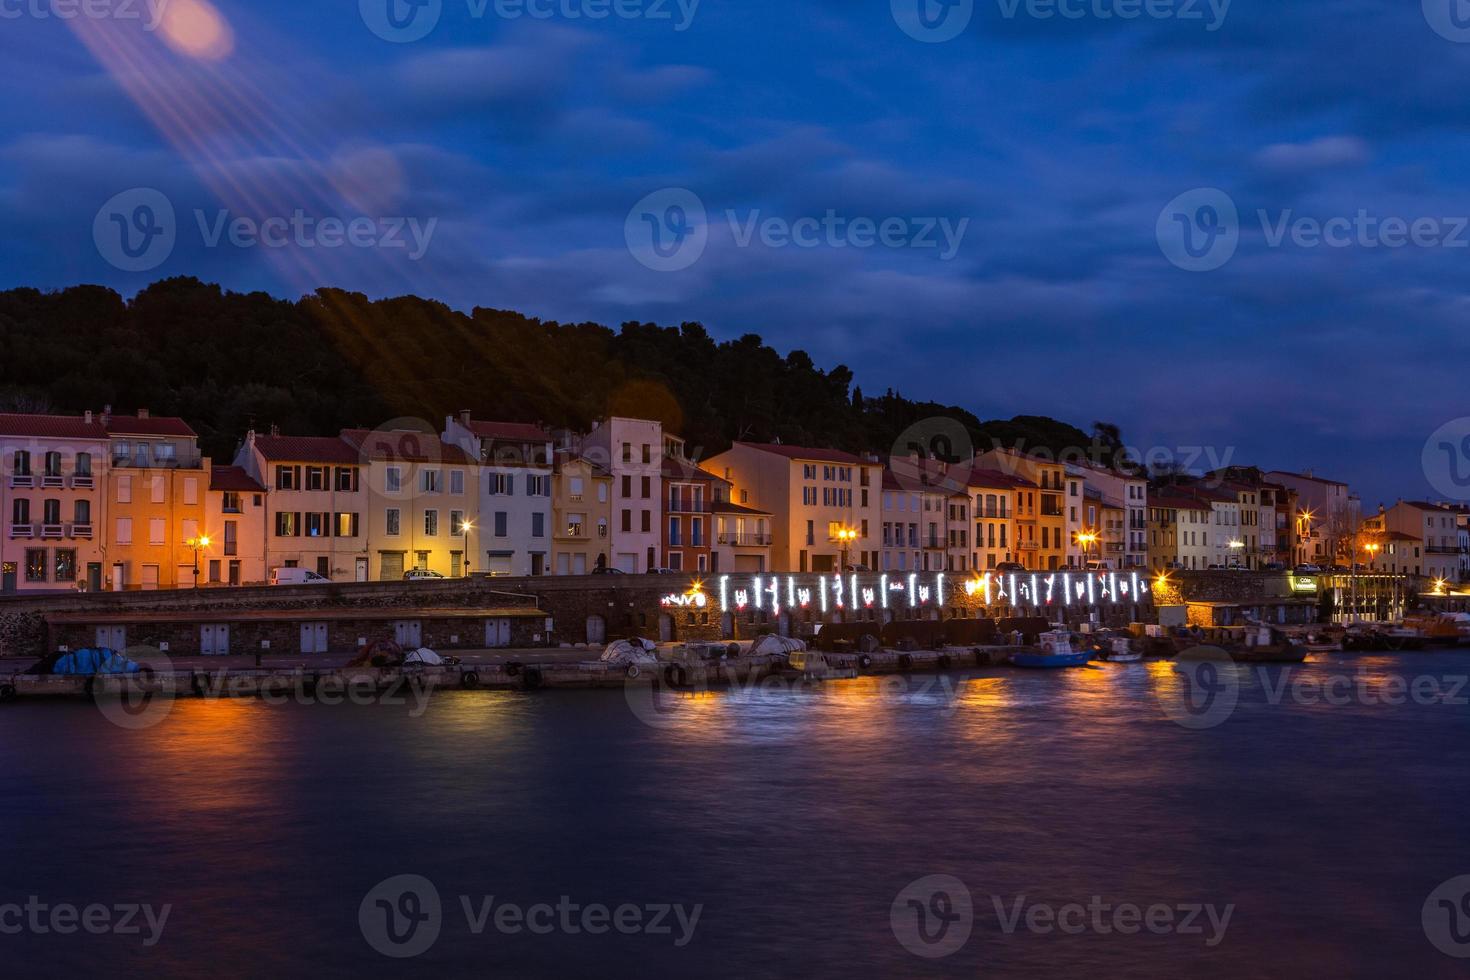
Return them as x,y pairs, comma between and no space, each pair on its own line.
226,360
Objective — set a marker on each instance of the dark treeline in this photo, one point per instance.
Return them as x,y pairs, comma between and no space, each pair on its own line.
226,361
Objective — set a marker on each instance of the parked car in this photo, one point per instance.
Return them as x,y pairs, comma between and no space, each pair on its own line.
1010,566
1274,566
420,575
607,570
1174,566
1307,568
1100,565
297,576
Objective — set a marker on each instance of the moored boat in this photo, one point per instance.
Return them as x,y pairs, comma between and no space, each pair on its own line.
1056,651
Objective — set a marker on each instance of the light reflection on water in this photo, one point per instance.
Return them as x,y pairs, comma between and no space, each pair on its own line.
795,814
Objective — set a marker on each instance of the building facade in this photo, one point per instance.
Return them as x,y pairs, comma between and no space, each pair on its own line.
581,504
515,463
632,451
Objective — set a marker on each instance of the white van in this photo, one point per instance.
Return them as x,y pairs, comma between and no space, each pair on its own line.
297,576
1101,565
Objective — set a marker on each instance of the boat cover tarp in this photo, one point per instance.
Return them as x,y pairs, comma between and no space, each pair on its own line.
771,645
423,655
634,651
86,662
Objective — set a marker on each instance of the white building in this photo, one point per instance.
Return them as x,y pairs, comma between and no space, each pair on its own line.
632,451
513,533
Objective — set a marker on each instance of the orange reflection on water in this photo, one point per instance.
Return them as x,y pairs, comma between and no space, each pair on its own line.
208,754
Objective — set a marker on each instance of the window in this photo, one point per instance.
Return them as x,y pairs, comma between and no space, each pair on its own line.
538,486
627,486
51,512
190,529
344,524
627,521
627,452
393,480
646,485
431,481
156,488
456,482
191,491
696,532
214,570
502,484
53,464
84,464
456,523
288,478
538,525
230,502
22,463
647,454
66,565
647,522
574,487
316,525
575,524
393,517
420,559
156,530
500,522
124,530
316,478
125,489
288,525
232,538
35,565
346,479
431,523
675,532
81,512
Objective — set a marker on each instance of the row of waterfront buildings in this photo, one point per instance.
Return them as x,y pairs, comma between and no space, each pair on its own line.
101,501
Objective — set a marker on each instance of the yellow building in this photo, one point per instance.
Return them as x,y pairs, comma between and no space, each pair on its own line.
1041,516
156,494
581,503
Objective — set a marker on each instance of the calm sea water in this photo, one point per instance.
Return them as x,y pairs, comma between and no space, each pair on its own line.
794,818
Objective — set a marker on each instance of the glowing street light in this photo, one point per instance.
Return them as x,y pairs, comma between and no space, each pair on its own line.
198,543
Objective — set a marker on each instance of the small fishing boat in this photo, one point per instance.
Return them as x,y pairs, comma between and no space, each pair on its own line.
1115,647
1056,651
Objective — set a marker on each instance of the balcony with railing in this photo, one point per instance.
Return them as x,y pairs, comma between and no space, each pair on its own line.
51,480
82,481
1441,549
53,530
80,530
1027,545
747,539
20,481
22,530
152,461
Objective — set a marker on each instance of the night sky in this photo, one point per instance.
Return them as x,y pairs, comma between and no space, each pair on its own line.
547,150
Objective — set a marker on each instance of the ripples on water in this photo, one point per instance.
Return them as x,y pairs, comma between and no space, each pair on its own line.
793,816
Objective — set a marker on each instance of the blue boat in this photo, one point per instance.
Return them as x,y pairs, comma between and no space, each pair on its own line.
1056,651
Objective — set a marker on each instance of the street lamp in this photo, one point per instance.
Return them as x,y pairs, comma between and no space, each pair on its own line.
465,527
1238,547
845,537
1086,539
198,543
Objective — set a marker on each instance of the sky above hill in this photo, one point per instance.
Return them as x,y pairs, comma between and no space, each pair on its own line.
1235,227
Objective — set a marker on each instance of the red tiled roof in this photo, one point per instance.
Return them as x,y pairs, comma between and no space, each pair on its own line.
685,470
1426,505
51,427
233,478
804,452
131,425
994,479
307,449
725,507
407,445
509,431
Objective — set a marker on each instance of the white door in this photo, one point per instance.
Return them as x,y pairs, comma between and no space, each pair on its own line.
362,569
627,563
407,632
313,637
112,637
119,577
579,564
214,640
497,632
596,629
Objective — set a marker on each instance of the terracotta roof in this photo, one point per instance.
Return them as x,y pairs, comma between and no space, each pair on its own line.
132,425
51,427
1426,505
725,507
233,478
980,476
307,449
405,445
509,431
684,470
804,453
1174,497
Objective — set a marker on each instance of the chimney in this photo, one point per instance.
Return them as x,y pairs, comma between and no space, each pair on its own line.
106,414
464,416
275,430
142,413
87,416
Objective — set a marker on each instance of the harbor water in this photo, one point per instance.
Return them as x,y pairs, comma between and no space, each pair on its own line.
784,831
